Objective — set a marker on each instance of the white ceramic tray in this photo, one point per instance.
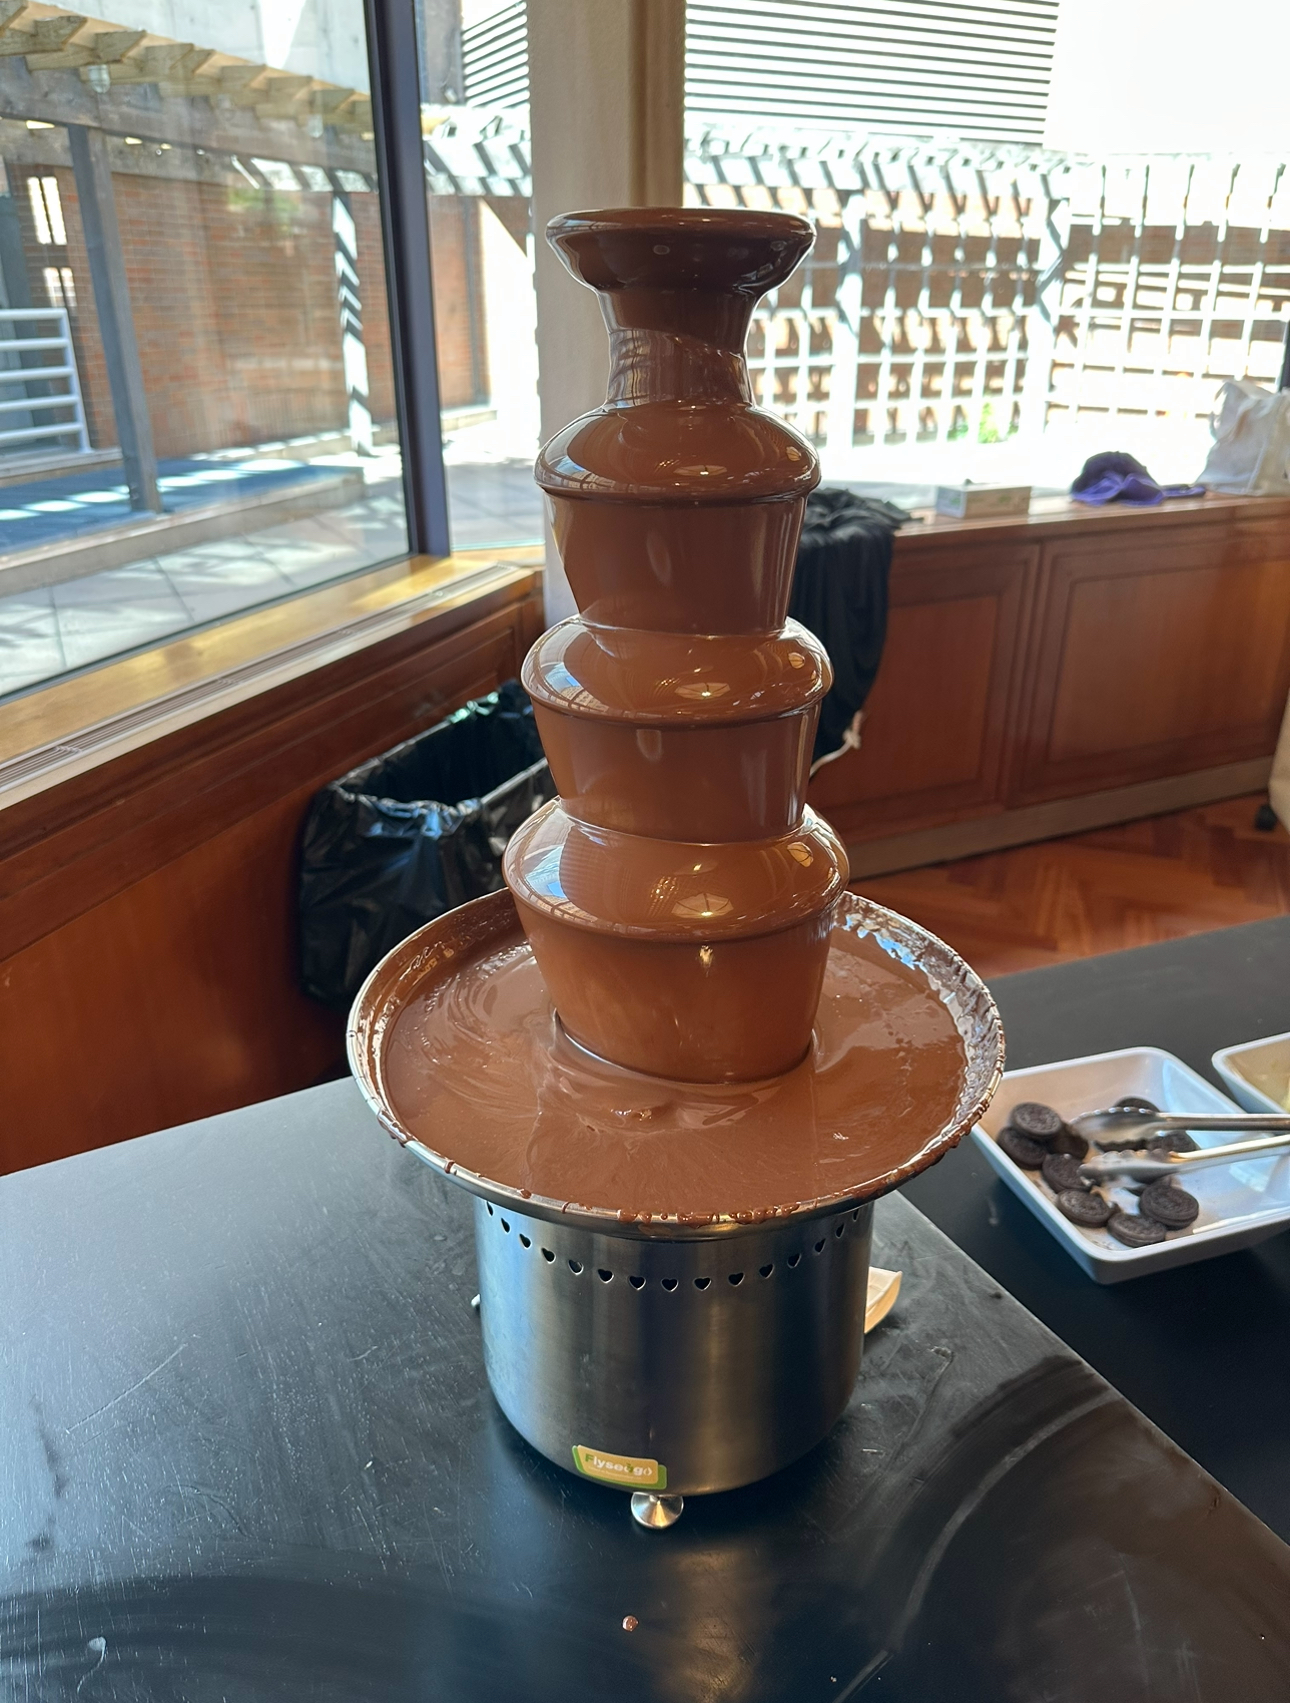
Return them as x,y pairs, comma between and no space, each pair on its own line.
1257,1072
1239,1204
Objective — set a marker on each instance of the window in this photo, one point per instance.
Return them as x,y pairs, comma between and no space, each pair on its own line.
1029,249
474,73
197,396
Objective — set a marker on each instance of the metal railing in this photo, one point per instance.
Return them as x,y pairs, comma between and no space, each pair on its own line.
42,363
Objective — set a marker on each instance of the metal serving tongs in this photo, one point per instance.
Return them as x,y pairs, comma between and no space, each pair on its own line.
1122,1122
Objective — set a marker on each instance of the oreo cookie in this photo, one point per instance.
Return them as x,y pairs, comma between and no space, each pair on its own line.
1061,1171
1135,1103
1083,1207
1036,1121
1066,1141
1134,1230
1168,1204
1176,1141
1021,1149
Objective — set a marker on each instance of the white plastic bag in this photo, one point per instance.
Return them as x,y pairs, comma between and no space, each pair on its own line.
1251,430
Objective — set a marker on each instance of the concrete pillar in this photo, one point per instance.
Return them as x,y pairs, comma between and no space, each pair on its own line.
607,110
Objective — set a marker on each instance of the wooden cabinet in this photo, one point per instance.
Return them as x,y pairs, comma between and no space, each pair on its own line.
934,740
1052,673
148,967
1154,658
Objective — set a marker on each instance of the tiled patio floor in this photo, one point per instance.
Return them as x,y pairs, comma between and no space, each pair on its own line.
71,506
45,632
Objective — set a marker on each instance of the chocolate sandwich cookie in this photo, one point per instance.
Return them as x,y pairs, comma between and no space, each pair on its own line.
1081,1206
1135,1103
1021,1149
1037,1121
1066,1141
1168,1204
1061,1171
1176,1141
1134,1230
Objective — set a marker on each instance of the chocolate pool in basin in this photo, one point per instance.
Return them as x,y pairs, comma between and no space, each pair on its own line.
676,1060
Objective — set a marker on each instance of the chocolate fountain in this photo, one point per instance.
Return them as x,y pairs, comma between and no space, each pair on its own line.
676,1061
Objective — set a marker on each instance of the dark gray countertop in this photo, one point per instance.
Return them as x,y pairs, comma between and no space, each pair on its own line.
1201,1350
247,1452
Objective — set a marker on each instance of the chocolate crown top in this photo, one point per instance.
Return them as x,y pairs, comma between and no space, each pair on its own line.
695,272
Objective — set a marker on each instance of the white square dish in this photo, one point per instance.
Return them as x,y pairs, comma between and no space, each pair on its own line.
1257,1072
1240,1204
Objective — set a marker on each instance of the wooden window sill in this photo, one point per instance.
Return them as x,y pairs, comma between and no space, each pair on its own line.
61,729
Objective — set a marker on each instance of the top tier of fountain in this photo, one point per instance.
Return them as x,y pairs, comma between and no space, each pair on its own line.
679,428
679,895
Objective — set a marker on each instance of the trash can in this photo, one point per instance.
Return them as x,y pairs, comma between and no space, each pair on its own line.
411,834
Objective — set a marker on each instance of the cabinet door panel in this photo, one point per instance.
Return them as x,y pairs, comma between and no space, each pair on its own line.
934,737
1155,660
149,968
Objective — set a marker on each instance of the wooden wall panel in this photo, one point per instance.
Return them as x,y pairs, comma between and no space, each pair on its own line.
1161,659
934,736
173,999
148,971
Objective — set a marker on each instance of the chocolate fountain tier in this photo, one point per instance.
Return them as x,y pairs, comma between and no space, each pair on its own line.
699,962
677,506
636,727
455,1043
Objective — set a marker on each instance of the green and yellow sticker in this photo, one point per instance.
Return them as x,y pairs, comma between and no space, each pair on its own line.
629,1472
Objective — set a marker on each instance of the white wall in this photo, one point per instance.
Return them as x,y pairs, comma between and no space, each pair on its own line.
1171,77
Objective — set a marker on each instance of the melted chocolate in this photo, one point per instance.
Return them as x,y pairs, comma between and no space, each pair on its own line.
475,1065
776,1044
660,894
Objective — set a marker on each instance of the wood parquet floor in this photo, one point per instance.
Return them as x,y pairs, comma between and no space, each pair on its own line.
1097,892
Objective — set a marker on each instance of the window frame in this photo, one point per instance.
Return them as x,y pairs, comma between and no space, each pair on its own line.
394,65
127,683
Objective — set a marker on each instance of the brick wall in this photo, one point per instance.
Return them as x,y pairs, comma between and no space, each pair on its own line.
233,292
458,300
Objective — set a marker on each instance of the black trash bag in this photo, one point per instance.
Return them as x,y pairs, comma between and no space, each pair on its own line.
840,594
412,834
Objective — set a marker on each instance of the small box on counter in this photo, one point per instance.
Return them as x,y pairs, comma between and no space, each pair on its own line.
976,502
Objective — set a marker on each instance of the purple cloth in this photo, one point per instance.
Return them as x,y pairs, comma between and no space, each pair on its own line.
1115,477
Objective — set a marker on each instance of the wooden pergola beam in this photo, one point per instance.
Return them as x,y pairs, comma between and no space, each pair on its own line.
75,42
126,109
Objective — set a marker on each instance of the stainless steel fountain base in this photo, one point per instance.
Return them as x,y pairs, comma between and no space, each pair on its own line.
668,1365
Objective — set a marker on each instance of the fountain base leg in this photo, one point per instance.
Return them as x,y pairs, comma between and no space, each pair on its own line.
656,1513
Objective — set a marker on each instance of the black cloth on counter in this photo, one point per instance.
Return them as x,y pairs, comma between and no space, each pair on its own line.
840,595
